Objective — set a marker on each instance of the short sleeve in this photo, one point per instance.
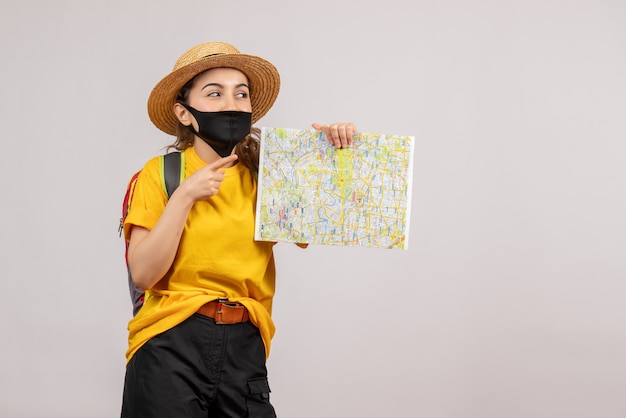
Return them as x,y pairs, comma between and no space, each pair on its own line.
148,201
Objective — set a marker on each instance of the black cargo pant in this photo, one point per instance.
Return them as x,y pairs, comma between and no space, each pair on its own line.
199,369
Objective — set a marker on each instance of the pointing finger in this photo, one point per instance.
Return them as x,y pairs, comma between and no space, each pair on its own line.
223,162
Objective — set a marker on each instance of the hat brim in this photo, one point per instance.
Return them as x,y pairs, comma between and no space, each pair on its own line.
262,75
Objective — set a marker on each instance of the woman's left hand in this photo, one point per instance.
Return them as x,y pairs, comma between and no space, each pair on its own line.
338,134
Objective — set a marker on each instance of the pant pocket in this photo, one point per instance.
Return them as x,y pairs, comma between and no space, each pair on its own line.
258,400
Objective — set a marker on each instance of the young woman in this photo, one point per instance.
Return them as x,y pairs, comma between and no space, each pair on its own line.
198,346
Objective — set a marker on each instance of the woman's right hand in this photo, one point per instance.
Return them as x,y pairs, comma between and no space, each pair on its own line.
206,181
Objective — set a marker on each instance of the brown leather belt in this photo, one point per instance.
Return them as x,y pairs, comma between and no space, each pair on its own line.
225,312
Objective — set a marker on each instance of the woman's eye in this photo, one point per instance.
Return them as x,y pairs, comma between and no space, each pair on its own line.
242,95
213,94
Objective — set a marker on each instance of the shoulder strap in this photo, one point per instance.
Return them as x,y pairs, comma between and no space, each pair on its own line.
172,171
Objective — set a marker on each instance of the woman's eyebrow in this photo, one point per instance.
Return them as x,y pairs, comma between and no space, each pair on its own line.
221,86
212,85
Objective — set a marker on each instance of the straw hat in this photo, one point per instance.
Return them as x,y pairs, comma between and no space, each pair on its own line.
262,75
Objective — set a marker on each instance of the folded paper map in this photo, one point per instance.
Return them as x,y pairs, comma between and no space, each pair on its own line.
311,192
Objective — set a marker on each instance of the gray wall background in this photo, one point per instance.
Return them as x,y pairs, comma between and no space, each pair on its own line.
509,302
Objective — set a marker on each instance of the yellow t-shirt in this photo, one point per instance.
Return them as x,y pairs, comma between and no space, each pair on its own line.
217,256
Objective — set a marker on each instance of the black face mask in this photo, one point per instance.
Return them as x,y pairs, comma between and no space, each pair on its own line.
222,131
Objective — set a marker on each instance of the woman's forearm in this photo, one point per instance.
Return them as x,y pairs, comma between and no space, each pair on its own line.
151,252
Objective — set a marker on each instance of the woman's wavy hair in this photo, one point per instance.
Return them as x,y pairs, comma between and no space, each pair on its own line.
247,150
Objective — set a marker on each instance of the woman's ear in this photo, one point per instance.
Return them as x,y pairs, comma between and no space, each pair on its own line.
182,114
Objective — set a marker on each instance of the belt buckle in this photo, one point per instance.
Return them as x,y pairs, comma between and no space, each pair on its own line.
219,313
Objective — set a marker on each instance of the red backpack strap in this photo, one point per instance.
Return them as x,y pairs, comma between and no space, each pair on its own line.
128,198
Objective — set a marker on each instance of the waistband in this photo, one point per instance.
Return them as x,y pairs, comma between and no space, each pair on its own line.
225,312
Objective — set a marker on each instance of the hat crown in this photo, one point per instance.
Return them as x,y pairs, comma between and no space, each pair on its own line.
205,50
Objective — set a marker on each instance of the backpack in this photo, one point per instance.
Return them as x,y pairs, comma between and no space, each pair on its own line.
172,169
